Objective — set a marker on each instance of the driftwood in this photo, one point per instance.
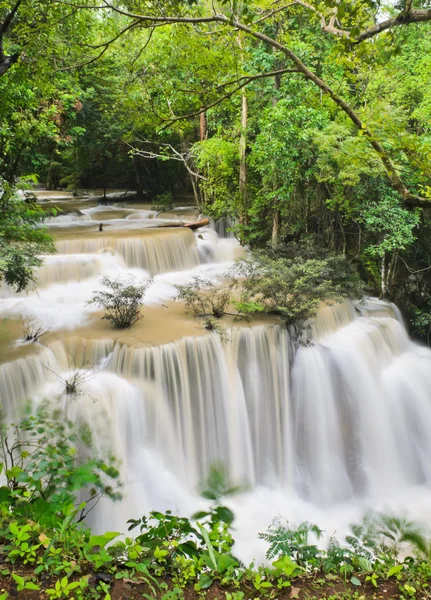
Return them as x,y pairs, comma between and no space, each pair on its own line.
192,225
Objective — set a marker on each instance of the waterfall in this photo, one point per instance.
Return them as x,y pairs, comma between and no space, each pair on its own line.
223,225
347,416
318,424
155,251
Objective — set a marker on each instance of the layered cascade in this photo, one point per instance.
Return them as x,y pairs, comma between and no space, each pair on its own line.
157,252
343,416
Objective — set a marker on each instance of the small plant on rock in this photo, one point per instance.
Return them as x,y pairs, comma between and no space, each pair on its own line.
122,301
32,330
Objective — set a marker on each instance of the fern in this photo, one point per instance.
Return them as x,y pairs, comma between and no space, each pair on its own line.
292,542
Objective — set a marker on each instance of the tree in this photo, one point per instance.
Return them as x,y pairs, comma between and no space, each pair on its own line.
6,61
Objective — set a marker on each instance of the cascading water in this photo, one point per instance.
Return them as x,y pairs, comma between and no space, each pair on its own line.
316,431
161,251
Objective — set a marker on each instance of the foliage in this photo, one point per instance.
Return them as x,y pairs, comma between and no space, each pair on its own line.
211,325
389,225
293,281
122,301
171,556
203,297
163,202
22,237
45,465
218,160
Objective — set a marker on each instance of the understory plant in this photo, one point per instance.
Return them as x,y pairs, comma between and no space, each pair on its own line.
47,548
121,300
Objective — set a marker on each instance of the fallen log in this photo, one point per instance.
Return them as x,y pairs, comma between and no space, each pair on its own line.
192,225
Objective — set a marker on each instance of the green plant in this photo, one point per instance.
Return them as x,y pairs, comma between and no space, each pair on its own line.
293,281
211,325
293,543
63,587
203,298
163,202
22,236
22,546
22,584
44,469
122,301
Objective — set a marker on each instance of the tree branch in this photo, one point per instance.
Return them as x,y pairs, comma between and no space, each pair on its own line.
7,61
247,78
4,27
403,18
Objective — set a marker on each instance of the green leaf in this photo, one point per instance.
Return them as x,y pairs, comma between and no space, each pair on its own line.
205,581
31,586
210,549
224,514
200,515
225,561
19,580
5,495
396,569
355,581
102,540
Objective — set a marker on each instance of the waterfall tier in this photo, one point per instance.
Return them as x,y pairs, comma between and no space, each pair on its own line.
344,417
160,251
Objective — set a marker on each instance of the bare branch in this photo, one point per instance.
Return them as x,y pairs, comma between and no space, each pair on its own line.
273,12
165,20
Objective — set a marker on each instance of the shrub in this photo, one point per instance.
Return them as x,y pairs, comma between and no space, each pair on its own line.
122,301
22,236
204,298
293,281
163,202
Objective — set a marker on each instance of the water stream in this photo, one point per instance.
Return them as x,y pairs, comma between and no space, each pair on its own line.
317,432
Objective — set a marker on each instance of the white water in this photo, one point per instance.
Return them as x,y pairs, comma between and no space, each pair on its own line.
318,432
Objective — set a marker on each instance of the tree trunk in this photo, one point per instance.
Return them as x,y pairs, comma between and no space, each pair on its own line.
139,178
275,226
203,126
276,216
242,162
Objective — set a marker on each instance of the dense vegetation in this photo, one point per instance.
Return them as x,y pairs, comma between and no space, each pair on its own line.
305,123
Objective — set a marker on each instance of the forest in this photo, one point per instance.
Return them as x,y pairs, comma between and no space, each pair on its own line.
278,152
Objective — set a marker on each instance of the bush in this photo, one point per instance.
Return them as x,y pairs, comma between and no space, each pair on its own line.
293,281
122,301
204,298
